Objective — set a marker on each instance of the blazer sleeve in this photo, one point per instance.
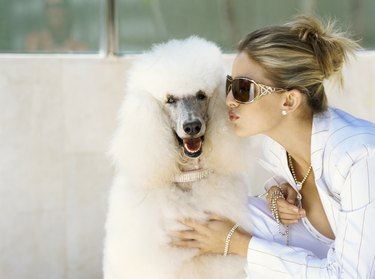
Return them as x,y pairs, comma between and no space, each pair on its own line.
352,255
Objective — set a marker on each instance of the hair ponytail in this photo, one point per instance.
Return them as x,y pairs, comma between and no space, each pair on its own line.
331,48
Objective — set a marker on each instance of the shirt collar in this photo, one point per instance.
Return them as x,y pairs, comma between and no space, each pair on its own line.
319,134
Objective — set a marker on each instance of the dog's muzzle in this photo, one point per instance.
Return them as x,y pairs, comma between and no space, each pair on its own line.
192,144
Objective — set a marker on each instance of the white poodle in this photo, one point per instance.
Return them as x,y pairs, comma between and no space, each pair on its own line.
176,157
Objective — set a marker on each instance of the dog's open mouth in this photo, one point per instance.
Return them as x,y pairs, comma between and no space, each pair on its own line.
192,146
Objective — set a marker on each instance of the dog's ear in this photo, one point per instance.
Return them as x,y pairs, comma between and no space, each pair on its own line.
228,153
143,146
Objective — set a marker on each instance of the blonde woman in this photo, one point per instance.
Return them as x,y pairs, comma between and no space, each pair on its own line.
319,221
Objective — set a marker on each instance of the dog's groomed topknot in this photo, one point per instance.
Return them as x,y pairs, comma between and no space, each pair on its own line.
178,66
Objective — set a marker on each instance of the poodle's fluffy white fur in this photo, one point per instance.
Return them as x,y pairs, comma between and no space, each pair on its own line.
145,205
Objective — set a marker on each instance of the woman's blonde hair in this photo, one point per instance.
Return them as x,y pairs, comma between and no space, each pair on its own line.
300,55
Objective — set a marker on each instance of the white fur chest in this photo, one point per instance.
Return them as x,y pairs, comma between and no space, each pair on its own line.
139,226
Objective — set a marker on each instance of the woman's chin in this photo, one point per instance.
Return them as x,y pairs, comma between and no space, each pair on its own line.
244,133
240,132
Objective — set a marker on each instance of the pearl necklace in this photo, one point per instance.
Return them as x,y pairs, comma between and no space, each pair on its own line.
299,184
279,195
275,213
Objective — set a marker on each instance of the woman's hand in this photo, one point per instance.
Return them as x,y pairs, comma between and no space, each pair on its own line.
289,213
210,236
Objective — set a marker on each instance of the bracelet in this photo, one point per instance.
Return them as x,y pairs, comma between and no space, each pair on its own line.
227,240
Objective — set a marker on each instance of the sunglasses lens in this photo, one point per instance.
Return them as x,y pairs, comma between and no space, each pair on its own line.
228,85
244,90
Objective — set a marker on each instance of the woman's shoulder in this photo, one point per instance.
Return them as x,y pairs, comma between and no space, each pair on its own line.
349,152
349,135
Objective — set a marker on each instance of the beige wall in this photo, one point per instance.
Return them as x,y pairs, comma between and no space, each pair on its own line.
56,118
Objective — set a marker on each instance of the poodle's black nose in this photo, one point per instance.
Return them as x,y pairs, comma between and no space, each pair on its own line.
193,127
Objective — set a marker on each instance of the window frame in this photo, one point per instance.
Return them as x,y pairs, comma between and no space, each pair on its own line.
109,41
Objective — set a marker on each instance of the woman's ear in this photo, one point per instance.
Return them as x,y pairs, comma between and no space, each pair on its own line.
292,100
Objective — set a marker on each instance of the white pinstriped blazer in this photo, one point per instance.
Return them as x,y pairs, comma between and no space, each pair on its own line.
343,160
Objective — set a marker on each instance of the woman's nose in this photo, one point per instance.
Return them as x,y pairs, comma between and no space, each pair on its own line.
230,101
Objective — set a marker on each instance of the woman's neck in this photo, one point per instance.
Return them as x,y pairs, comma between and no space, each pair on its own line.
294,134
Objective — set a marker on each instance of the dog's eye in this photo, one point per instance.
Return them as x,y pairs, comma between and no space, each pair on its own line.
201,95
171,100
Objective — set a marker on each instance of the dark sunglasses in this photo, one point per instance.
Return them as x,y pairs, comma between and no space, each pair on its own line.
246,91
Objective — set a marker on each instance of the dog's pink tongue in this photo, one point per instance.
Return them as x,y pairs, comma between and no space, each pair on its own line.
193,145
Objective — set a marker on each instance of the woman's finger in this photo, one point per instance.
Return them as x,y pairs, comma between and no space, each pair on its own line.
215,217
299,214
290,195
285,206
187,235
185,243
288,213
195,225
287,216
288,222
291,209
